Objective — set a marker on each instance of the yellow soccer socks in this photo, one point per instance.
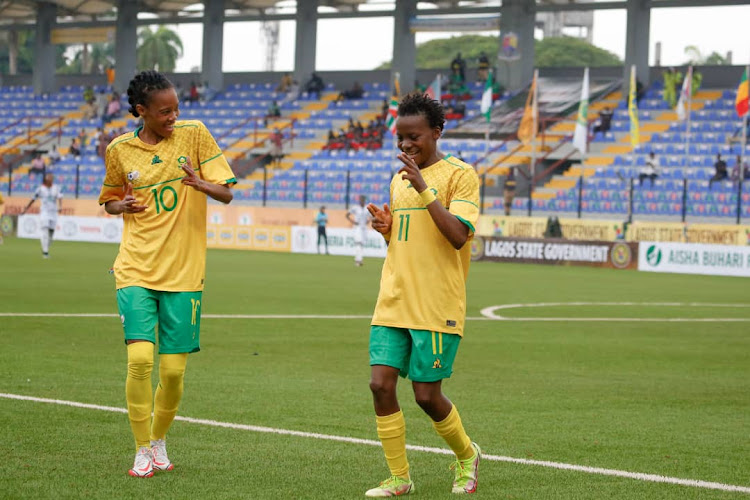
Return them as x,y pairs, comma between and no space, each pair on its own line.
138,390
452,430
168,393
392,434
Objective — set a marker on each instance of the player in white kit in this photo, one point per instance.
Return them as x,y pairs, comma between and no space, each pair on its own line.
50,196
360,218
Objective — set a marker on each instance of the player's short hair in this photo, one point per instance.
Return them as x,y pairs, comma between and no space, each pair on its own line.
416,103
141,87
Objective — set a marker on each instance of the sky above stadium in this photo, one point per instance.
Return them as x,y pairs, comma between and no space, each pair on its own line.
363,44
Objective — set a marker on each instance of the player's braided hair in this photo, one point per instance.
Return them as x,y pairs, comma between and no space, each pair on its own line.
417,103
140,88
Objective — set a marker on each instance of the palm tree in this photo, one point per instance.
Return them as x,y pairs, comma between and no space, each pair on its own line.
158,49
697,58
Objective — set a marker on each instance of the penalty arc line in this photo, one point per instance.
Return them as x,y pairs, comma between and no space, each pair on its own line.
694,483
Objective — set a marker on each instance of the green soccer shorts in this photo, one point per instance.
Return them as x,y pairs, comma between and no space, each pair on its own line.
420,355
177,314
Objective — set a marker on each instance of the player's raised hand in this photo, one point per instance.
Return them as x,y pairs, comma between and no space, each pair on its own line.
191,178
410,171
381,219
129,204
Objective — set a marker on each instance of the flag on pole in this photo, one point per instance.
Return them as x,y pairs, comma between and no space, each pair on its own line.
741,103
486,104
685,95
390,121
581,133
434,91
527,127
635,130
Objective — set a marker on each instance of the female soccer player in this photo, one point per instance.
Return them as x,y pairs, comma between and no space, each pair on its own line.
158,177
419,316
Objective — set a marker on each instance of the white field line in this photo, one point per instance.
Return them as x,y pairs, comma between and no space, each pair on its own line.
490,312
640,476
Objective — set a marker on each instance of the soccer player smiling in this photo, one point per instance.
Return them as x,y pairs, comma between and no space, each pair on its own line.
419,316
159,177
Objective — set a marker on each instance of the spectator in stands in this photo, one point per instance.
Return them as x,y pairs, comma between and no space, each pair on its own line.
672,84
88,94
285,84
650,170
113,108
356,92
89,110
484,67
37,164
102,141
208,92
201,91
273,112
315,86
720,168
82,137
277,153
193,94
740,167
458,68
509,190
75,147
53,155
335,142
605,120
101,103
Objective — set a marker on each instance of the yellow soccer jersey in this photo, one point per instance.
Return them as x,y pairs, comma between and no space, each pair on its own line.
164,247
423,283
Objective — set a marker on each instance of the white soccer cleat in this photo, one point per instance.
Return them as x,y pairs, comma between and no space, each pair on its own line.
143,465
159,454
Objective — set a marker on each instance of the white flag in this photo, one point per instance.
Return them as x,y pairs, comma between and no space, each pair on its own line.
685,95
580,136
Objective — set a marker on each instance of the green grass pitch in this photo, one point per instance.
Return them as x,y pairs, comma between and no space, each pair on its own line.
666,398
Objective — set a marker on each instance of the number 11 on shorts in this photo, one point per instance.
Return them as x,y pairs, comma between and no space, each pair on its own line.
196,310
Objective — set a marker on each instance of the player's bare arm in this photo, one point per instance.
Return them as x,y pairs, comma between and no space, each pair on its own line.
216,191
455,231
128,204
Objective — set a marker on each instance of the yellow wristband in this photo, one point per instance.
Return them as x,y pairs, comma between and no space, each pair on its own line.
428,195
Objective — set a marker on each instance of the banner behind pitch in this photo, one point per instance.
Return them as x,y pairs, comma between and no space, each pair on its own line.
619,255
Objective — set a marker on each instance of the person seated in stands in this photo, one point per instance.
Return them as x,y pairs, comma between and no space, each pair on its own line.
650,170
457,89
285,84
53,155
509,190
193,94
88,94
75,147
273,112
335,142
740,170
605,120
357,141
37,164
82,137
374,142
720,168
451,110
89,110
356,92
103,140
315,85
113,108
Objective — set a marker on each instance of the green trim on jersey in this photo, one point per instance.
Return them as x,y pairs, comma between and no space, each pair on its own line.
411,208
160,183
454,164
112,146
113,185
467,201
212,158
186,125
230,181
471,226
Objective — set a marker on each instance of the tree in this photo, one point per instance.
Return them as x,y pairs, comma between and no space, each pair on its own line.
567,51
100,55
158,49
562,51
25,61
696,58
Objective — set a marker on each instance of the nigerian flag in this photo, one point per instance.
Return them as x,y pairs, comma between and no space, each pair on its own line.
581,133
390,120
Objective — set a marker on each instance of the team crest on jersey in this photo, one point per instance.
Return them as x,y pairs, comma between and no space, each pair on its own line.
134,175
156,160
437,364
181,161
